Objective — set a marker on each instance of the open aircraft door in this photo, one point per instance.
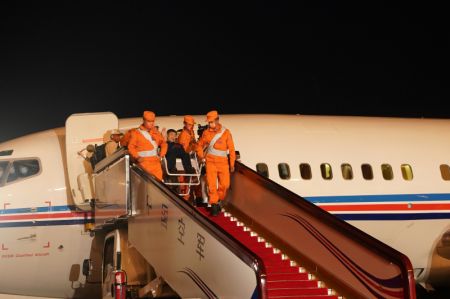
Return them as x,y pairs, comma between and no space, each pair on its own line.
83,129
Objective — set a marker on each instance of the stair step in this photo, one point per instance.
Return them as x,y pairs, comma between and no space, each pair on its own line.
277,264
281,269
292,284
296,291
287,276
271,257
264,252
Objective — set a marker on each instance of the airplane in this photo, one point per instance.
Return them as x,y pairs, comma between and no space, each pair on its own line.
389,177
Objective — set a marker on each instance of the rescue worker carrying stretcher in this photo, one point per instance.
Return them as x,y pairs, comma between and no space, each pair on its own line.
218,142
144,143
187,140
187,135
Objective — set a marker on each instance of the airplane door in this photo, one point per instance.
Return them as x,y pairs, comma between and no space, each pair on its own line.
83,129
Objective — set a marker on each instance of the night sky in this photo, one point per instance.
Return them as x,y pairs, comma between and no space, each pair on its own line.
318,58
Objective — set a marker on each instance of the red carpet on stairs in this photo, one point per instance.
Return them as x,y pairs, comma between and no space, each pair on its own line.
283,279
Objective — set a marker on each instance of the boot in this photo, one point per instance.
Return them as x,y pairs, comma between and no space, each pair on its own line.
215,209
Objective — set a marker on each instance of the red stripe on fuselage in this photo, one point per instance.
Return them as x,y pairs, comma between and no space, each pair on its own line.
44,216
92,140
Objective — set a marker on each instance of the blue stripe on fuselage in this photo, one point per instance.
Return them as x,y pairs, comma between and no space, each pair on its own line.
39,210
393,216
378,198
45,223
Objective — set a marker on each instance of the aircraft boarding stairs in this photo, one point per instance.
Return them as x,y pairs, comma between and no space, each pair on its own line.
267,242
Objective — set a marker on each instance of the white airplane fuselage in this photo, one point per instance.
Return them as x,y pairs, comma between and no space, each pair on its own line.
43,239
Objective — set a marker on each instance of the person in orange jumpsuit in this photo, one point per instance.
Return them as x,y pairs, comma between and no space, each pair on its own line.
217,142
187,135
187,140
144,143
126,137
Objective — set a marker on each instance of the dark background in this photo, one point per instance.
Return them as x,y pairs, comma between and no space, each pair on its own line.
371,58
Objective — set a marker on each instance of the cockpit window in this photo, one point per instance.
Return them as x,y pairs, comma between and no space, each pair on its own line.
12,174
16,170
6,153
27,168
3,166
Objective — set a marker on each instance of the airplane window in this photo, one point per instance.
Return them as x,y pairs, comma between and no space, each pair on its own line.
326,170
305,171
3,165
21,169
12,175
367,171
26,168
262,169
386,169
284,171
445,172
6,153
347,171
407,172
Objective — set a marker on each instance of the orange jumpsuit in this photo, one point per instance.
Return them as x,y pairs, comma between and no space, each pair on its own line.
217,166
126,137
187,140
141,147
